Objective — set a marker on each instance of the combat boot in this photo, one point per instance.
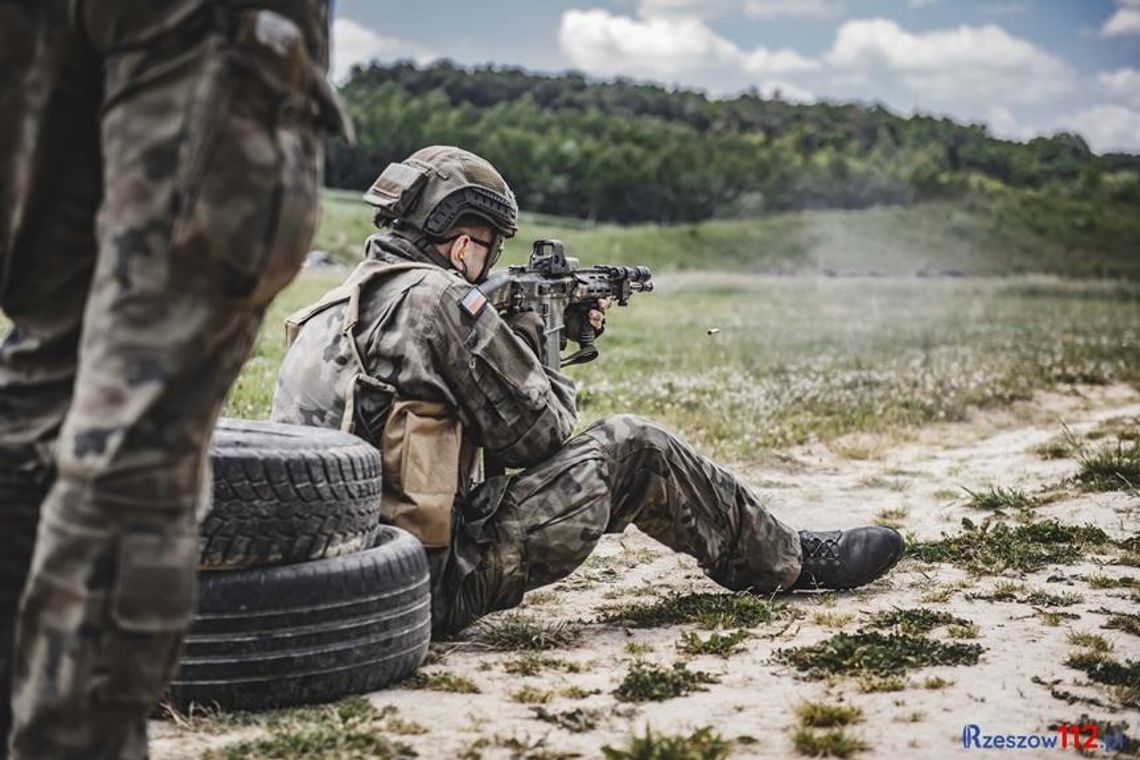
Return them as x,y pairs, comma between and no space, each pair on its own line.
839,559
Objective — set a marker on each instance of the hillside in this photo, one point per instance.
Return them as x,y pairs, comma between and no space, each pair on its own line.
1001,232
626,152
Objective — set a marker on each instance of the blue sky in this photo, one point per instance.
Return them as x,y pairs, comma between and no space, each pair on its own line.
1024,67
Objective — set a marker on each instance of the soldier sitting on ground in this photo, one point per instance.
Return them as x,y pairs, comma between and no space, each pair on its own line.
408,355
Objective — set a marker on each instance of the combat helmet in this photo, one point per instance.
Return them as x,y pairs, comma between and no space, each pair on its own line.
427,193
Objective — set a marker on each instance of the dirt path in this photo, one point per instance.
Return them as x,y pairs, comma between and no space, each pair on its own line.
921,480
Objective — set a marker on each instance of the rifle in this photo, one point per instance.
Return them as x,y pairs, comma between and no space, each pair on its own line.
555,286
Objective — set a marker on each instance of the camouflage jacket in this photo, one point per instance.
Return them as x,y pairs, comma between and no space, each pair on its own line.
425,334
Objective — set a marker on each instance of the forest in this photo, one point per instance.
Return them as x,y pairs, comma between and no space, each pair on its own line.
629,152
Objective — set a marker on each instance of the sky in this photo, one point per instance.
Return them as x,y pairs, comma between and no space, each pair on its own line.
1023,67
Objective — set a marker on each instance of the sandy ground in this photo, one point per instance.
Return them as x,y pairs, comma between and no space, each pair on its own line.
821,487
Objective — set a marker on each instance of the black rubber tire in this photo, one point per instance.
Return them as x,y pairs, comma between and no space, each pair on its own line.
288,493
312,632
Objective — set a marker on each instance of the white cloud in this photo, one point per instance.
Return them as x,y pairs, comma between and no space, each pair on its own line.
786,91
663,45
1125,21
1107,128
1123,84
920,3
354,43
753,8
702,8
795,8
1003,124
963,65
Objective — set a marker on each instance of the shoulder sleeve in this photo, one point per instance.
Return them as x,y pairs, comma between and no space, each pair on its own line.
521,412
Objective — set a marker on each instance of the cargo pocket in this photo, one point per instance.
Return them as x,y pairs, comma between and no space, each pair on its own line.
420,449
151,605
517,401
249,172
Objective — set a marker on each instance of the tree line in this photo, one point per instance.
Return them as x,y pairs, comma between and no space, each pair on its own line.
626,151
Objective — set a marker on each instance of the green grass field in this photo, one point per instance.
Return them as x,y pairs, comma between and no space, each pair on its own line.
993,233
813,357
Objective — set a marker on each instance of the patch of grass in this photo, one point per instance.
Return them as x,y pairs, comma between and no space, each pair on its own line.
823,715
870,684
875,653
1124,622
576,720
1003,591
405,727
531,695
705,609
945,494
539,597
702,744
1110,468
1061,446
1055,617
577,692
1039,598
646,682
1108,581
1007,591
514,631
440,681
1123,678
350,729
637,648
894,517
833,743
722,645
913,620
1121,428
994,547
831,619
533,663
996,498
969,631
936,596
524,748
936,682
1093,641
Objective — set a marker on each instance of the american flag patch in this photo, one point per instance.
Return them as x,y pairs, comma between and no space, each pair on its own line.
473,302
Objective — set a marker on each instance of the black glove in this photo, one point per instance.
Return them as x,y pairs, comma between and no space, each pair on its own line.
575,317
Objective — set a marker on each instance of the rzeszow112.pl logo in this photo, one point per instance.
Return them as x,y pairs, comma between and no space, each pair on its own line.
1079,736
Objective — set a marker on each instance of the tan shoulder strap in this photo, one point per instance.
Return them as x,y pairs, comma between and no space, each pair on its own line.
348,291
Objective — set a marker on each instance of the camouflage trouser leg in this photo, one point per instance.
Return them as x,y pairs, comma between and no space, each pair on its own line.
545,521
197,146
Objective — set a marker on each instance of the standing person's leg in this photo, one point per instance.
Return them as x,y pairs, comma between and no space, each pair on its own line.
211,159
544,522
50,186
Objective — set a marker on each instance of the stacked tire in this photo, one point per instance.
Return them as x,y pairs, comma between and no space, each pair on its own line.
303,596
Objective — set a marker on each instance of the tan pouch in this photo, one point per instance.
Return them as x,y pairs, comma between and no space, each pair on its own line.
420,456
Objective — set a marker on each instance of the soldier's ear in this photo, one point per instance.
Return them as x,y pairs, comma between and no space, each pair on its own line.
458,251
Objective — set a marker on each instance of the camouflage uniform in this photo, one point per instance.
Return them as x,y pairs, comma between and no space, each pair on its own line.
159,163
517,532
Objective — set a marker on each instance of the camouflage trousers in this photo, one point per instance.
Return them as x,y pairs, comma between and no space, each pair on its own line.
524,531
159,163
